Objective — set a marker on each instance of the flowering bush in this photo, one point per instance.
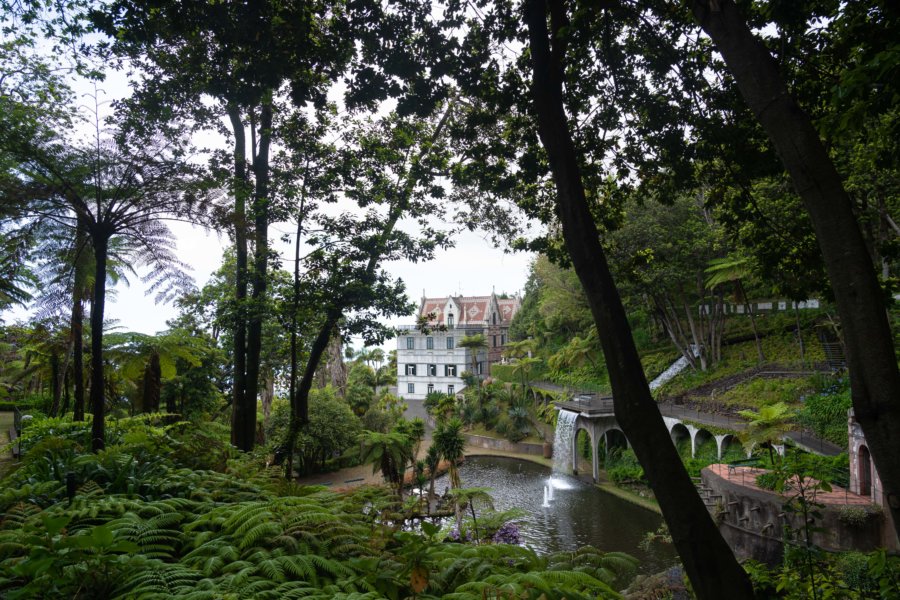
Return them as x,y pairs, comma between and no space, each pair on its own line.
454,536
507,534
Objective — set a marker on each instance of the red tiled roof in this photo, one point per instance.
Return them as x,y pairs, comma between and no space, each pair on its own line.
508,308
475,309
436,306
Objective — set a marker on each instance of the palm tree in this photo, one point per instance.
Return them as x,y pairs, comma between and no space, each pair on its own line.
735,270
475,344
433,463
466,498
152,358
111,190
451,444
387,452
767,426
524,367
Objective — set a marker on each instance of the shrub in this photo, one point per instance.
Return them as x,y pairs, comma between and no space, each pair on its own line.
853,516
769,480
825,412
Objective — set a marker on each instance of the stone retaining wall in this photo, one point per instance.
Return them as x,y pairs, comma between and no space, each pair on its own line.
501,445
752,520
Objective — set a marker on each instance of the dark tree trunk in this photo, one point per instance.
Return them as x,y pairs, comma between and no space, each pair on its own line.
66,397
56,375
260,209
300,408
78,349
869,347
332,370
708,561
152,383
100,241
742,293
242,431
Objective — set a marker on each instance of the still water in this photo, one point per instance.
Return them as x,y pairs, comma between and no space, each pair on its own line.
579,513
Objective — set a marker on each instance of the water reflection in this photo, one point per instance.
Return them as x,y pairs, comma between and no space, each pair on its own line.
578,513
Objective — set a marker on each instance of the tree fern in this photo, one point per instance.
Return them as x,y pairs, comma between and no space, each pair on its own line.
155,536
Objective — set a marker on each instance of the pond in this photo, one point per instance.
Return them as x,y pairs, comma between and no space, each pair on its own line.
579,513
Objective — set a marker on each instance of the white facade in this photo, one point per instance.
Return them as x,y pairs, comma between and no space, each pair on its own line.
432,362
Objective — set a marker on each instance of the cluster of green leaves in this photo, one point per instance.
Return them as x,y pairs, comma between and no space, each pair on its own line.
622,466
152,528
846,575
332,429
825,412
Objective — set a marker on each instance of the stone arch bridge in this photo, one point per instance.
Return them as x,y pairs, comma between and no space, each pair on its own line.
595,417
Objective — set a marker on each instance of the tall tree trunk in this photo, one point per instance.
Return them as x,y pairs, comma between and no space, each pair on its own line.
800,336
713,570
100,241
742,294
260,209
56,377
300,408
874,376
152,383
268,396
295,349
78,349
66,397
242,432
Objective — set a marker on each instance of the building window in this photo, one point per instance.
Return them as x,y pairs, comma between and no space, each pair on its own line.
410,369
451,388
495,341
450,320
410,343
410,388
429,343
432,370
430,388
494,317
480,368
502,340
450,370
449,343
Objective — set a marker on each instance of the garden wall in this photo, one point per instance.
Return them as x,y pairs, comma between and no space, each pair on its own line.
752,521
501,445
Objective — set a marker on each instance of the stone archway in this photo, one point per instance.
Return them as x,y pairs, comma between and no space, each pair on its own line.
681,437
583,455
615,440
865,472
705,445
730,448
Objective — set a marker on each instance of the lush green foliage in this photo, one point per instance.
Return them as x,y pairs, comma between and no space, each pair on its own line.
152,528
825,412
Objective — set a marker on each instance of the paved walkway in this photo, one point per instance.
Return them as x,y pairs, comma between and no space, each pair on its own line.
6,457
746,477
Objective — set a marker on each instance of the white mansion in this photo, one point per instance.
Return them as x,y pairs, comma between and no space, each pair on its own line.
432,361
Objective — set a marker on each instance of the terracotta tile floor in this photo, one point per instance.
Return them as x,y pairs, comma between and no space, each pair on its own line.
746,476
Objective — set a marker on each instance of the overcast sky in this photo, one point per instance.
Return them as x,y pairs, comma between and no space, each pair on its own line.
472,267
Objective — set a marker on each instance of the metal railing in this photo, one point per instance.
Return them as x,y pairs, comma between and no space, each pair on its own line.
17,420
840,493
703,418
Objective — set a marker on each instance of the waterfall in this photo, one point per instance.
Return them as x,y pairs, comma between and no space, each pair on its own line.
563,441
674,369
